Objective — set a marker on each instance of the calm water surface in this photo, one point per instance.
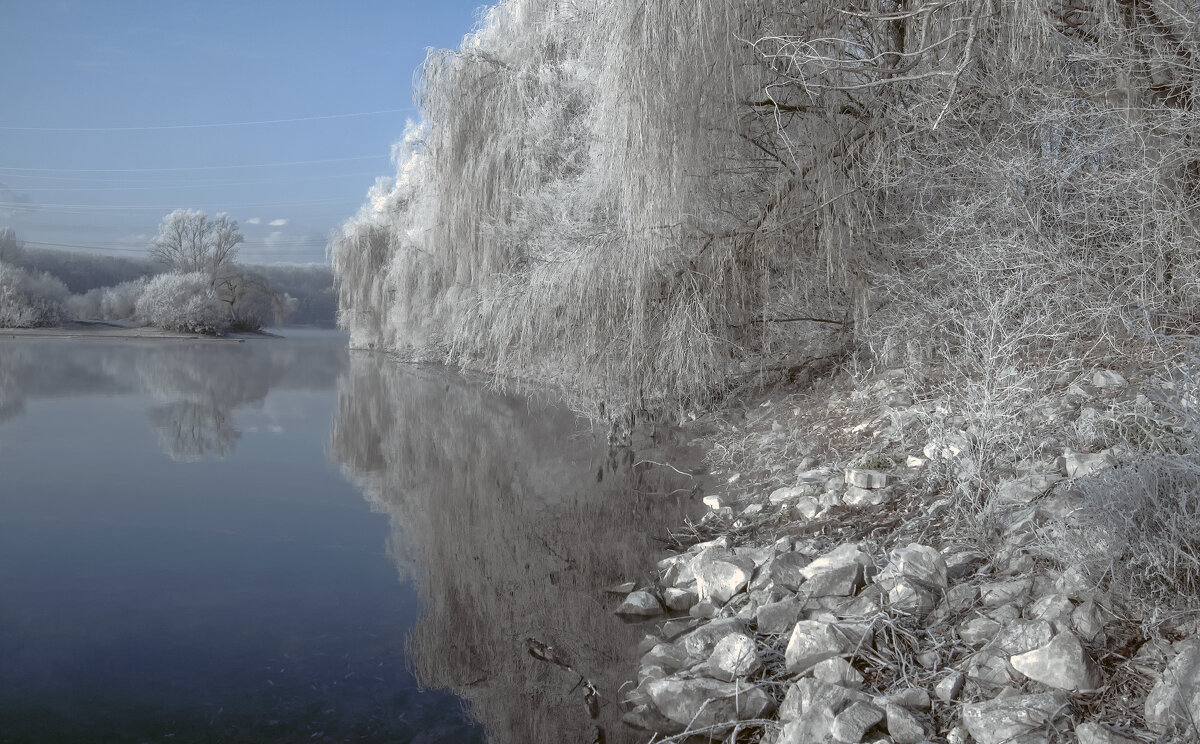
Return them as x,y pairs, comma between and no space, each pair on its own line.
278,540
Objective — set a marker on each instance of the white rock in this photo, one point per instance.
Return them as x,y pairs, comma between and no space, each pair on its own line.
845,554
1024,719
735,655
679,600
920,563
950,687
806,507
841,581
640,604
1063,663
1174,701
791,493
1096,733
902,726
1021,636
1079,465
787,570
1025,489
812,642
838,671
712,501
720,574
700,642
996,593
856,496
978,630
703,702
866,478
910,597
1053,608
808,711
779,617
1086,621
852,724
915,462
1107,378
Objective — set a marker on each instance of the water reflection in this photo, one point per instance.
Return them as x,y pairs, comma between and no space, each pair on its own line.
512,524
195,387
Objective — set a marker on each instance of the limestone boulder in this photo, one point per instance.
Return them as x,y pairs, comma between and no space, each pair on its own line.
1021,719
779,617
787,570
902,726
1098,733
996,593
1063,663
950,686
978,630
869,479
812,642
1079,465
703,702
852,724
1174,702
640,604
735,655
919,563
1028,487
700,642
838,671
679,600
1021,636
855,496
810,708
720,574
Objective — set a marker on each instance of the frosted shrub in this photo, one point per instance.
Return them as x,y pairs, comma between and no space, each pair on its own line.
86,305
182,302
120,302
30,300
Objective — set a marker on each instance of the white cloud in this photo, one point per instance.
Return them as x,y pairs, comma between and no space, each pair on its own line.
277,223
254,221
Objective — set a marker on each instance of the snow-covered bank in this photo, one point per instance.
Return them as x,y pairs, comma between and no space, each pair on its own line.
853,595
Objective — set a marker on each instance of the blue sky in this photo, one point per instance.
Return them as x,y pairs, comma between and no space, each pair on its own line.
99,102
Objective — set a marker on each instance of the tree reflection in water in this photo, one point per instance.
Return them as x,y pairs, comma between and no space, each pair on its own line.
196,386
512,524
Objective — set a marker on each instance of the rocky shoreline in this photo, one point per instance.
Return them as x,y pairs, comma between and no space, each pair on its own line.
847,602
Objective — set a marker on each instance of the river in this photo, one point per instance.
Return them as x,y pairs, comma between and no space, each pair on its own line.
281,540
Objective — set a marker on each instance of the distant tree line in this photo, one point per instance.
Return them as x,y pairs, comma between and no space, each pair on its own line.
41,287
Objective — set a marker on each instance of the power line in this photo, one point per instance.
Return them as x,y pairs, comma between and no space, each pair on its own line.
70,208
288,249
207,126
189,168
192,185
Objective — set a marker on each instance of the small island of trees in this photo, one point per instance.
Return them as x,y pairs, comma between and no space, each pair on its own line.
191,281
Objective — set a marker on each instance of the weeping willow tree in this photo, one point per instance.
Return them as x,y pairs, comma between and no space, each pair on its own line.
653,202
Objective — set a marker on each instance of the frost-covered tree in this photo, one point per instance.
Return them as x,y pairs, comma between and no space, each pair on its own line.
655,202
29,300
183,302
250,301
189,241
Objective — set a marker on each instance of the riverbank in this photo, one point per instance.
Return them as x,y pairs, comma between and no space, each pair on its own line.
101,330
882,565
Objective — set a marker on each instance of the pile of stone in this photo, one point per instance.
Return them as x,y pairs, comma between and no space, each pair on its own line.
814,642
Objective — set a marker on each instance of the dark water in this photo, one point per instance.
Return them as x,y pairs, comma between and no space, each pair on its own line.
280,541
